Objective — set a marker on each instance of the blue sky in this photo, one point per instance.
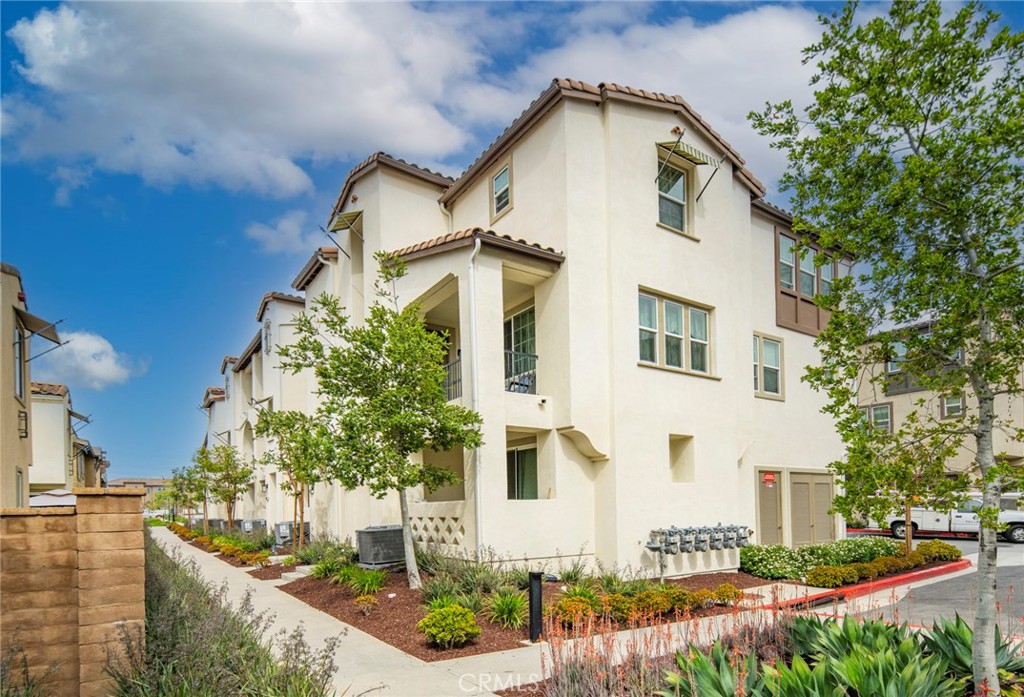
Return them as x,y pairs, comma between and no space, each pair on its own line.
165,164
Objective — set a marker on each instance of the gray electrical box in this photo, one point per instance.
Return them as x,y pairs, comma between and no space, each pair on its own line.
257,525
284,532
380,545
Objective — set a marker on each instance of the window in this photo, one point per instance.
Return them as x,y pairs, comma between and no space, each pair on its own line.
521,352
827,274
767,366
672,197
501,191
19,363
878,416
952,406
521,473
899,353
808,278
787,262
674,334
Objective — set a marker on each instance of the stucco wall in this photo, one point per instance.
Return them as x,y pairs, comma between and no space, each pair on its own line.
73,578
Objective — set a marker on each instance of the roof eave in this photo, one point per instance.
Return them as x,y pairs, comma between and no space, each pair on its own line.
249,352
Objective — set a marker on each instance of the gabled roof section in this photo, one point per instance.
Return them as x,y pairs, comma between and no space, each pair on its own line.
254,345
274,295
772,211
378,159
211,395
228,360
313,267
489,238
10,270
50,388
574,89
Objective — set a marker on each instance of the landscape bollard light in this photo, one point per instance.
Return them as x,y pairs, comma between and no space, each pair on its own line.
535,606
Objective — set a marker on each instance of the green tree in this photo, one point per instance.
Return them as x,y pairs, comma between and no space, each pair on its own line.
301,453
382,396
910,159
197,478
184,490
228,477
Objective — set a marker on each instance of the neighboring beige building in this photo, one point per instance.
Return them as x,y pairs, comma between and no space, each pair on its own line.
888,394
58,455
151,485
17,327
627,317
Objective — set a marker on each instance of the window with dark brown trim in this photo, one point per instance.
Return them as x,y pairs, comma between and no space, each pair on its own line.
798,280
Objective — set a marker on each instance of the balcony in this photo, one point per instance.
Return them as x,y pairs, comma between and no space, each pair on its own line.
453,379
520,372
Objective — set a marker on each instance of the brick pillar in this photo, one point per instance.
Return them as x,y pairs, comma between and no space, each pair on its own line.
39,602
111,578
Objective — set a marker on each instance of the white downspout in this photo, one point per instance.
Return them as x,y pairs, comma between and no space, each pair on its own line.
477,504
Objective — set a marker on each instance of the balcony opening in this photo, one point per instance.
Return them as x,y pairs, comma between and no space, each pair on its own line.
521,352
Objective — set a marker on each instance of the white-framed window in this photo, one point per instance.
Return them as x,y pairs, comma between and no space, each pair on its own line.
899,354
501,190
808,274
827,272
19,362
787,262
521,473
648,328
767,366
878,416
674,334
672,196
953,406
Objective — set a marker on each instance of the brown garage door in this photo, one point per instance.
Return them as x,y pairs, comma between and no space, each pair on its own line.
810,498
769,507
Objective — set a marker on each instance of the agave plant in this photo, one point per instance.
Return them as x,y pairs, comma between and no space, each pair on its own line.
953,639
720,674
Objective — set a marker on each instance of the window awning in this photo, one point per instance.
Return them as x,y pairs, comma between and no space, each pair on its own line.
38,325
351,220
689,153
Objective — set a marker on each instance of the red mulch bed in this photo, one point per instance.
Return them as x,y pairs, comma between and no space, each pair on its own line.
394,620
271,573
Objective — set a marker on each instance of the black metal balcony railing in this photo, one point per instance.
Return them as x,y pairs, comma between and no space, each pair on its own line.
453,379
520,372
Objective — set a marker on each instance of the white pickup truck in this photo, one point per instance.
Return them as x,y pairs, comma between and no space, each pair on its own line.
963,519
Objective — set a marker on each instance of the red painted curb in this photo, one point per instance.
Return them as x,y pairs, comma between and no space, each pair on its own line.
869,587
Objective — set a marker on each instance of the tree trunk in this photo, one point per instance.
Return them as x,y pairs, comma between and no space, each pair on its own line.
909,537
230,506
206,519
302,513
296,531
986,679
412,570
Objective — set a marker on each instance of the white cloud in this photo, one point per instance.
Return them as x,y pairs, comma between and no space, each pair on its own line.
233,95
244,95
69,180
87,361
291,233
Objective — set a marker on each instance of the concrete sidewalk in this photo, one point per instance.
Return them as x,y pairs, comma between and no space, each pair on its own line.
366,665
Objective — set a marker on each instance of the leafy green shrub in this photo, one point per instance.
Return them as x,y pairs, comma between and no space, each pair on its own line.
825,577
702,598
953,641
518,576
326,568
438,586
440,601
634,587
937,550
778,561
617,606
656,601
727,594
449,627
507,608
771,561
575,573
865,571
916,559
571,611
583,592
345,574
717,675
474,601
367,581
289,561
322,548
681,599
610,583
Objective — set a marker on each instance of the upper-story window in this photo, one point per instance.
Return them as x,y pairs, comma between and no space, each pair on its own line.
501,191
952,407
899,354
878,416
674,334
19,362
672,196
799,279
787,262
767,366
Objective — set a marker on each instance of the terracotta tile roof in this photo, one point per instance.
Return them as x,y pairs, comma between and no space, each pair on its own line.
228,360
772,210
50,388
274,295
211,395
561,88
251,348
313,266
464,238
382,158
